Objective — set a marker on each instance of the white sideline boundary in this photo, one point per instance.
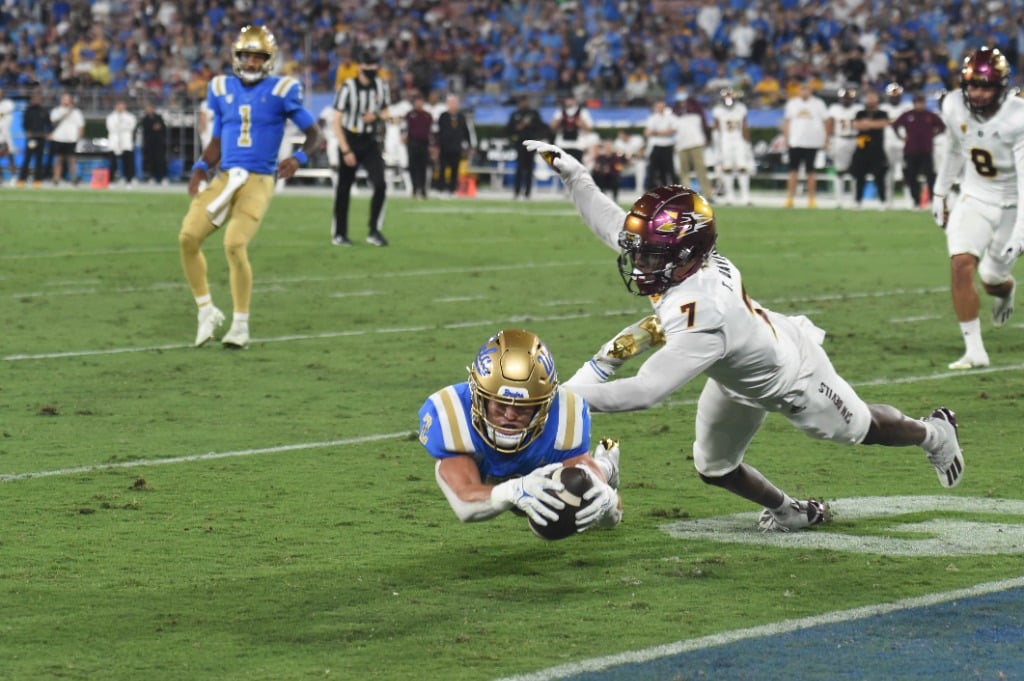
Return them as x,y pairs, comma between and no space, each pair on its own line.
783,627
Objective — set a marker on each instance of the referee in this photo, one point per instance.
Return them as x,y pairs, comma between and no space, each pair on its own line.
358,125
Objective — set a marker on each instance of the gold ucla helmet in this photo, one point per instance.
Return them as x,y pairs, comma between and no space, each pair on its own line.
515,368
258,40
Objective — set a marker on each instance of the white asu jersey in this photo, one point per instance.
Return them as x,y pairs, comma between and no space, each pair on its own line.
893,143
756,360
989,153
6,119
844,137
734,151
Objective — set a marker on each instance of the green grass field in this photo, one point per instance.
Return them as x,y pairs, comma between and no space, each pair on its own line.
178,513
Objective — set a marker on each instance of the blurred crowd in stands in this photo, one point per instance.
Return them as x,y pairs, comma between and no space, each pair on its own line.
606,52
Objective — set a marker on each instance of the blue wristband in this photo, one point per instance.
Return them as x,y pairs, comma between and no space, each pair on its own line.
301,157
200,165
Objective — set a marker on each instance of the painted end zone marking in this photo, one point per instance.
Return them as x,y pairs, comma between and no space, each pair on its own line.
784,627
201,457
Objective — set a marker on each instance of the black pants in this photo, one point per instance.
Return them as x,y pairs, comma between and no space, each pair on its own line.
154,160
127,159
915,165
608,183
874,164
525,158
34,149
661,170
419,163
368,155
450,161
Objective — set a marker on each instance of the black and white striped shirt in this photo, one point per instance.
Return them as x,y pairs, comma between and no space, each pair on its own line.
355,99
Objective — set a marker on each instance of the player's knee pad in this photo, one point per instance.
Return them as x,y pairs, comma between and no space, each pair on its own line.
994,271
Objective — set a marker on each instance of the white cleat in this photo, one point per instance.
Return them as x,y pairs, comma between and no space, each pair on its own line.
969,362
209,319
947,458
801,515
1002,307
608,448
237,336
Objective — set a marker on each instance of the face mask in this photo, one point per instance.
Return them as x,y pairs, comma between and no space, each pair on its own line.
370,73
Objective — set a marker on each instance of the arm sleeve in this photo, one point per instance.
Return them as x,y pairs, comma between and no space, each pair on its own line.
601,214
951,166
466,511
682,359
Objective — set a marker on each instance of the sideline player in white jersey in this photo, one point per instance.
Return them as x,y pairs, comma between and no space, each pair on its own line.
984,228
735,155
894,106
844,140
498,435
756,361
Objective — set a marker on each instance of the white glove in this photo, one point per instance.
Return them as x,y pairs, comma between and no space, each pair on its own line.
603,500
636,338
530,494
940,213
559,159
1014,248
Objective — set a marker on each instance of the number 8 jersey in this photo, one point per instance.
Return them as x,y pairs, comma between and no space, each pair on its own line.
990,153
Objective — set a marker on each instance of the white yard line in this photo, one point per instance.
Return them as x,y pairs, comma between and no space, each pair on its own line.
209,456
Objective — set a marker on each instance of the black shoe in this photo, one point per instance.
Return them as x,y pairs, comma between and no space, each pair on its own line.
377,239
341,241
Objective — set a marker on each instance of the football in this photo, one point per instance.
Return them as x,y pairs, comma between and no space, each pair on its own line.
576,482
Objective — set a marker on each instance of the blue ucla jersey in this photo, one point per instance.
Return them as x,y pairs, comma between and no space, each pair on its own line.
446,430
250,119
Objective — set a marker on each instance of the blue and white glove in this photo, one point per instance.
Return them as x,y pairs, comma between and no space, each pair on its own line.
604,501
531,494
556,157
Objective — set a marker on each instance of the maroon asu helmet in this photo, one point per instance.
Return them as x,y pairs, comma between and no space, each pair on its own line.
988,69
668,234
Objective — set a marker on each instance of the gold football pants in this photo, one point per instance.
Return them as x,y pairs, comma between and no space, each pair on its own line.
247,208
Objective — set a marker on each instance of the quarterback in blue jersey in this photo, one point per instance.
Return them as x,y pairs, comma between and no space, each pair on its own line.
250,111
497,436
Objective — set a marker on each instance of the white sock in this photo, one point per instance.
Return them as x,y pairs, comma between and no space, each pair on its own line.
745,187
203,301
786,507
931,436
971,332
240,319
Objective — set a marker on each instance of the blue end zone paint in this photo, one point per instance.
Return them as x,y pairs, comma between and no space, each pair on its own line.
980,637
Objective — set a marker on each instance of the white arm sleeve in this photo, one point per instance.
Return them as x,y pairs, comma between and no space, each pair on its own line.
664,372
602,215
951,166
467,511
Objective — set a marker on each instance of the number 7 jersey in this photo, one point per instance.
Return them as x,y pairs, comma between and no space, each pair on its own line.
989,152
